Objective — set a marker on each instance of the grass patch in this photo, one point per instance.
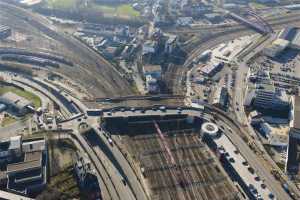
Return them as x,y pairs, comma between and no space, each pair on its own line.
121,11
127,10
62,180
61,154
281,165
27,95
62,4
256,5
7,120
118,10
62,186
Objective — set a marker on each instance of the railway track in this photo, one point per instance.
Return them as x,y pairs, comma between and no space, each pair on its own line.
213,41
236,27
101,73
193,162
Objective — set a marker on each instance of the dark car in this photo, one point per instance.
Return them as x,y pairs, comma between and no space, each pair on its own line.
263,186
124,181
231,160
236,151
257,178
251,170
245,163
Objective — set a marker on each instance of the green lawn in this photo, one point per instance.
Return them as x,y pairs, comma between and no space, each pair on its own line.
123,10
7,120
127,9
27,95
120,10
62,4
256,5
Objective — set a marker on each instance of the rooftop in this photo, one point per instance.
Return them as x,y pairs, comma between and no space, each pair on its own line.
288,33
296,39
24,166
151,68
4,28
32,160
35,145
280,42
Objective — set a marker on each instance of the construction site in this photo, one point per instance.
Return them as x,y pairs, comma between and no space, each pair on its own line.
173,161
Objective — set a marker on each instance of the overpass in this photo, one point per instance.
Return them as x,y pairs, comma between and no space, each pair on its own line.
8,196
157,97
260,25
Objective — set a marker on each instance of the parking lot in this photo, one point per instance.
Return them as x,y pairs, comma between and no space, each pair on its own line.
255,184
283,69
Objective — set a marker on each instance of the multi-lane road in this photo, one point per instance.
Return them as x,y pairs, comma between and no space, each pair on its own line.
233,132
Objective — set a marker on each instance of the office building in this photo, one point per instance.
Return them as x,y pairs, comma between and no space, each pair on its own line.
221,97
293,152
262,94
24,165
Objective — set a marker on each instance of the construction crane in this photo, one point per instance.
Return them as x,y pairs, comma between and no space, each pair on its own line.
181,180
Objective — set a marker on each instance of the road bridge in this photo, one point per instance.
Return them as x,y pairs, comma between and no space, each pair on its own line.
135,97
261,26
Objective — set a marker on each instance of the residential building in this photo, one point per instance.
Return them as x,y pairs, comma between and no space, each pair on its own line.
5,32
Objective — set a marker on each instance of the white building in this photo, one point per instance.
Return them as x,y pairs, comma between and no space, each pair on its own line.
287,37
184,21
263,94
276,47
277,135
152,84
